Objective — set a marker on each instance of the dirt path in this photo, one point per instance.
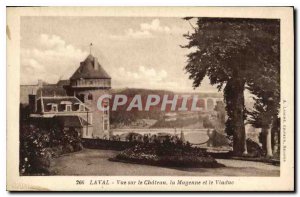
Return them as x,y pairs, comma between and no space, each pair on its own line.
95,162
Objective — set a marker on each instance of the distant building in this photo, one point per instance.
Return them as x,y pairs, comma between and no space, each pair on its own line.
73,102
171,116
25,90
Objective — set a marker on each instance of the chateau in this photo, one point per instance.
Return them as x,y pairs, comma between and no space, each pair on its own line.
73,102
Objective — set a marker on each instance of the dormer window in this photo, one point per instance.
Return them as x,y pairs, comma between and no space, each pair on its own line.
54,107
81,107
67,104
68,108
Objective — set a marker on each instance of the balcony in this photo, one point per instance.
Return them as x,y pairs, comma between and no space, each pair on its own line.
91,83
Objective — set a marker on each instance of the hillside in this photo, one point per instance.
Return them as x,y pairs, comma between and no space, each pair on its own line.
134,118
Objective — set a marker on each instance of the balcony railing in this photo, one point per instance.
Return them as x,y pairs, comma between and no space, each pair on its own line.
101,83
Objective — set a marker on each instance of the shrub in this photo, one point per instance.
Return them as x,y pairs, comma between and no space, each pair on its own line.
176,154
68,148
39,145
254,149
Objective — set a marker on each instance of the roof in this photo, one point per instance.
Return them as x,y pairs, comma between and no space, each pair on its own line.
71,121
63,82
46,103
86,70
51,90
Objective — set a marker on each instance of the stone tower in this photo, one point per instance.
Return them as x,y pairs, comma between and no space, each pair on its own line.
88,83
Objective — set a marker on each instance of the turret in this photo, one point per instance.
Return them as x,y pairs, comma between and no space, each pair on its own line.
88,83
90,74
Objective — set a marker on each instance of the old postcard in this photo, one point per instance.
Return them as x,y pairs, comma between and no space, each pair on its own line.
150,99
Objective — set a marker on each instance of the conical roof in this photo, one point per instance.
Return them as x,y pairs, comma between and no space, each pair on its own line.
90,69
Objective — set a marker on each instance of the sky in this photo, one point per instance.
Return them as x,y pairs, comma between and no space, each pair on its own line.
136,52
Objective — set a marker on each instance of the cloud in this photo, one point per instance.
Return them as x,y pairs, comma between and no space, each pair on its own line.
152,74
50,59
146,30
51,41
142,73
154,26
138,34
141,77
154,78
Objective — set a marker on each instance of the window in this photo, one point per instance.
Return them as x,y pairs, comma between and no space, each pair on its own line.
90,118
68,108
105,105
54,107
90,97
105,125
81,107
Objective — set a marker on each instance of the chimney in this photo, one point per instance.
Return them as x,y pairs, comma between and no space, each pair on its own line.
40,83
32,103
95,63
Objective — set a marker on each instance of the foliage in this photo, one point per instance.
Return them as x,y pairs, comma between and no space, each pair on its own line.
168,153
265,83
220,139
38,146
207,123
228,51
253,148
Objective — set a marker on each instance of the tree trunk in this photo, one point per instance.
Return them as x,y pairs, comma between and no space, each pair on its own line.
246,149
269,142
263,139
276,137
275,144
234,98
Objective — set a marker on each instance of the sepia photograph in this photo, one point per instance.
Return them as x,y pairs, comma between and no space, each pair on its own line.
185,97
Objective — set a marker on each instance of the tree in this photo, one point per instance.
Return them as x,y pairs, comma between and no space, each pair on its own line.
226,50
265,85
